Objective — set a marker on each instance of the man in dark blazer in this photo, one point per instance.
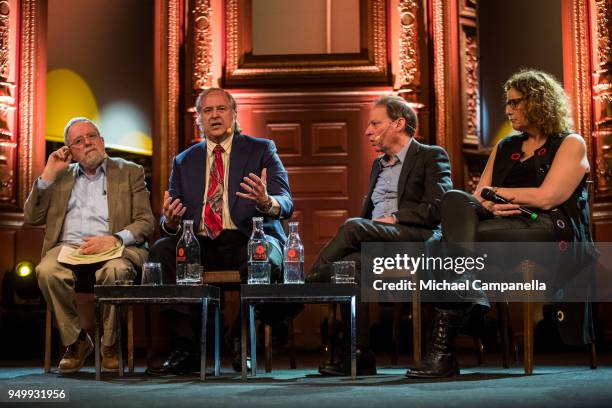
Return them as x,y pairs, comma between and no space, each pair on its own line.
403,204
221,183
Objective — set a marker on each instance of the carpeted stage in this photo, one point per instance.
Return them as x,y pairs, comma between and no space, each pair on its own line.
559,380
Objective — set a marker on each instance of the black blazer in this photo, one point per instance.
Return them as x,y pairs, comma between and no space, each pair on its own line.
424,179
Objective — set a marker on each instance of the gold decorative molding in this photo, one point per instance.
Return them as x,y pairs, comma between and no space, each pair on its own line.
580,67
408,49
202,45
5,10
604,21
167,87
241,67
602,96
440,69
31,95
471,97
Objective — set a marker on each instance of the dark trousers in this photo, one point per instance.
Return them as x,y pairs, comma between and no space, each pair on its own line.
346,246
465,220
227,252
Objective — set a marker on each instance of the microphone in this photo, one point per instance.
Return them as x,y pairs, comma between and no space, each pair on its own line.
490,195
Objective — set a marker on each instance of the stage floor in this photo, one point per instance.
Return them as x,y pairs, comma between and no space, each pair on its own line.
560,380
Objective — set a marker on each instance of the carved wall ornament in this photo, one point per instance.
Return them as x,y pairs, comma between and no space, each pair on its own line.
408,50
471,87
4,40
202,45
604,20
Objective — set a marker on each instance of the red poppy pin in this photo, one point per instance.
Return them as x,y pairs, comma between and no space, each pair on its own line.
515,156
541,151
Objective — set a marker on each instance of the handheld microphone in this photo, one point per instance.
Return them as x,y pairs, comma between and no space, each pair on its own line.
490,195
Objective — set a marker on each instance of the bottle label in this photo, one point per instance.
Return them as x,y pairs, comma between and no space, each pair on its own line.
260,253
292,255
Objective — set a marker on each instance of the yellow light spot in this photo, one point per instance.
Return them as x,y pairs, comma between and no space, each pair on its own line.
68,96
24,269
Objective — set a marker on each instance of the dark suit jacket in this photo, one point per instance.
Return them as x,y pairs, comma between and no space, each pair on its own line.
424,179
128,206
248,155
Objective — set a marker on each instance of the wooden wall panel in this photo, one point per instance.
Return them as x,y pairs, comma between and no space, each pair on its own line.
320,139
287,137
327,182
326,223
329,139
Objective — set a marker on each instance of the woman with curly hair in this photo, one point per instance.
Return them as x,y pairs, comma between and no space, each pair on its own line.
543,168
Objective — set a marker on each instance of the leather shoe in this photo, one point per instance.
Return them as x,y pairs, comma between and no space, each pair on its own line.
75,356
179,362
237,357
110,359
366,364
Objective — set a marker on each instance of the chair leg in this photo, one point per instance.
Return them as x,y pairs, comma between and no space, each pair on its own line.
528,337
268,347
130,339
48,328
479,349
148,335
502,313
331,331
528,269
593,356
397,313
291,329
416,326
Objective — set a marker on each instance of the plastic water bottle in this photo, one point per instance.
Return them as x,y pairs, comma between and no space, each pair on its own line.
258,252
293,256
188,268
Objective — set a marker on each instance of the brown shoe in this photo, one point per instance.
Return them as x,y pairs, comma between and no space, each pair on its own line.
110,360
75,356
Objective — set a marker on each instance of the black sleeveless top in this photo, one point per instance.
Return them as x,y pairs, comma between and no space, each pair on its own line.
571,218
570,223
522,174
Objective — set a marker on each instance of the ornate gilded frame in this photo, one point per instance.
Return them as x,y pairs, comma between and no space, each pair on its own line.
242,68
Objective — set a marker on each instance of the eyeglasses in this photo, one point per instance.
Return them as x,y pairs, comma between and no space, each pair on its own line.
514,103
80,141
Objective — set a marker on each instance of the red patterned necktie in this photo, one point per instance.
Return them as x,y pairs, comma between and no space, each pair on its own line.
213,210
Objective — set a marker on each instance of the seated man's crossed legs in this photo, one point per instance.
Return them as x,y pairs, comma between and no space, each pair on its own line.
346,246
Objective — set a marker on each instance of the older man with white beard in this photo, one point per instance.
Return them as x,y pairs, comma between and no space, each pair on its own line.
91,205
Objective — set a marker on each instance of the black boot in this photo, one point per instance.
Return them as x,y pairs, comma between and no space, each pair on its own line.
440,361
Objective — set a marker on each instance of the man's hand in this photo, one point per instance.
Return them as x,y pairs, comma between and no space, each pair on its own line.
386,220
255,188
58,161
96,245
173,211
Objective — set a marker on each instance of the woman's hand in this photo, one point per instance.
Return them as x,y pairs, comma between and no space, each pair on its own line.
503,210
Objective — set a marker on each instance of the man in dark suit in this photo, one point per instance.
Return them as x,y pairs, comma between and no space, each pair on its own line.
403,204
221,183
